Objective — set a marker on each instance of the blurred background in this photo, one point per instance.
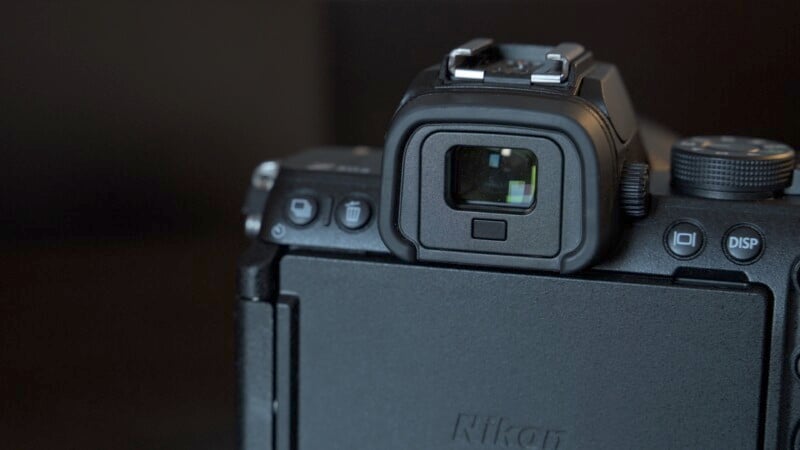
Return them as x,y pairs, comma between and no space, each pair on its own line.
129,129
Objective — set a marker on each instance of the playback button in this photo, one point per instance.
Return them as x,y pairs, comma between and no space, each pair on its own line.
684,240
743,244
301,210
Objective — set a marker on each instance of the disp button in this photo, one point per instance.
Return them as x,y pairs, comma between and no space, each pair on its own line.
743,244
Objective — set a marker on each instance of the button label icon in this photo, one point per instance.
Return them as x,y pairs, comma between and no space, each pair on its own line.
352,212
302,208
744,243
684,239
278,231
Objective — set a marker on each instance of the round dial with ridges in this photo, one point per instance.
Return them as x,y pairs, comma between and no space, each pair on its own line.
731,167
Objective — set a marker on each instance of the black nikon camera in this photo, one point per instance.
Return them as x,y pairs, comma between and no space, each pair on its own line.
522,267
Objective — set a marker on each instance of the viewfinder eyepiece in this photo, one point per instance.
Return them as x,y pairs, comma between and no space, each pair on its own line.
491,178
531,139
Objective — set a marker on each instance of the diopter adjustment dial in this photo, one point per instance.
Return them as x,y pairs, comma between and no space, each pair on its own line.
634,197
731,168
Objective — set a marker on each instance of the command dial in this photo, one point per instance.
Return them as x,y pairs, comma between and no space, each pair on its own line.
731,168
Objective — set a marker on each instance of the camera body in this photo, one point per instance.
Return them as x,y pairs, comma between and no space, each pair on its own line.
521,267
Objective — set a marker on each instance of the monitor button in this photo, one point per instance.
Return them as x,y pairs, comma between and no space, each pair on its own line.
684,240
494,230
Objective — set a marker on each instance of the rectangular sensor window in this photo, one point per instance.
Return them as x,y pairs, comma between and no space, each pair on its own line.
491,177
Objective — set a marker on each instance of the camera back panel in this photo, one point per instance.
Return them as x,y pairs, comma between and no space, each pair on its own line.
687,328
502,278
385,355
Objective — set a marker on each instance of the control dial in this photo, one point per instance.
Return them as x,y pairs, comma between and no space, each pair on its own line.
731,168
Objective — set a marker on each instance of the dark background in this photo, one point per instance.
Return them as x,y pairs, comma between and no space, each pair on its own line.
128,132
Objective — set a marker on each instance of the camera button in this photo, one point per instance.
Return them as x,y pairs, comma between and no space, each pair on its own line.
494,230
684,240
301,210
743,244
353,213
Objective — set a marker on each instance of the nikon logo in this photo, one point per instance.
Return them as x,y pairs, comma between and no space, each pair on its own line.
501,432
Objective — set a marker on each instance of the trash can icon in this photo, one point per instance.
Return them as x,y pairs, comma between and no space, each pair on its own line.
352,212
